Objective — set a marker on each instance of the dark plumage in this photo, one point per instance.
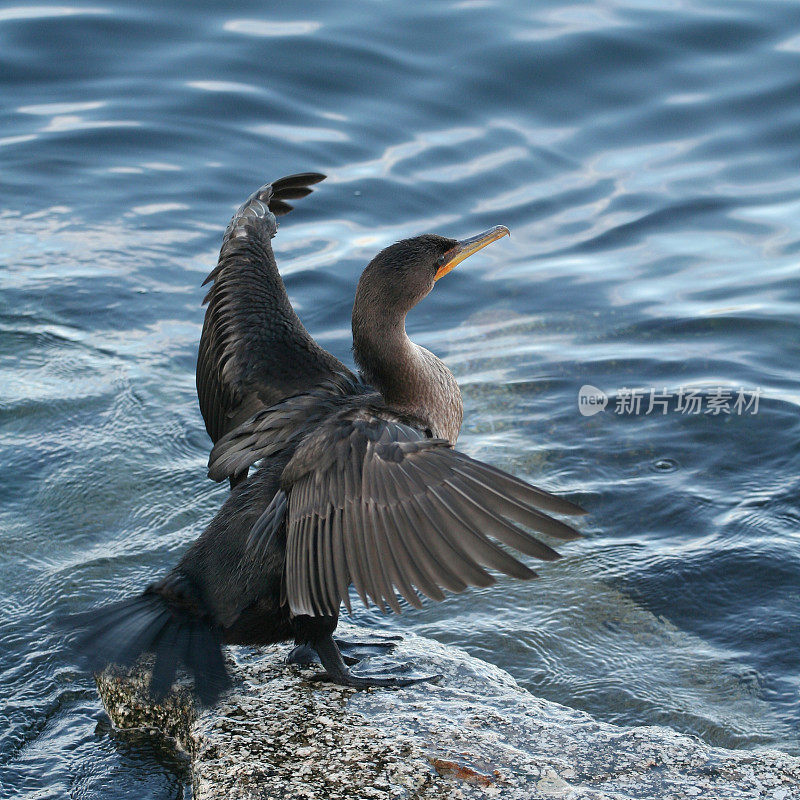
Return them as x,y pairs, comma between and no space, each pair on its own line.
254,350
357,481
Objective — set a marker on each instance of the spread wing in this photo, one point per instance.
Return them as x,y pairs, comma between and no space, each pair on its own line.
254,351
368,500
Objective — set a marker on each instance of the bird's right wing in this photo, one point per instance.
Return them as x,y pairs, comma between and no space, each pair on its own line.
254,351
369,500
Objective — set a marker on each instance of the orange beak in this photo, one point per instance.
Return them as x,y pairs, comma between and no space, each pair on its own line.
466,247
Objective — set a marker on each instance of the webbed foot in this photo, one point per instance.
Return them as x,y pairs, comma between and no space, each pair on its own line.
336,670
352,652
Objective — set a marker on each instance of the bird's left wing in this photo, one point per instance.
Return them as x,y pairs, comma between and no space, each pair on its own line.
369,500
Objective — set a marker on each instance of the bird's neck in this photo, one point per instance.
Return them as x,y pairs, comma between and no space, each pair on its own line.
410,378
385,355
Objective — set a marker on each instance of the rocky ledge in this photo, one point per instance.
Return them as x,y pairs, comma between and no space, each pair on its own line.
476,734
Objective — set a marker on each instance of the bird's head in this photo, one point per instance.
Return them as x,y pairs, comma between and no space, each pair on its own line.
405,272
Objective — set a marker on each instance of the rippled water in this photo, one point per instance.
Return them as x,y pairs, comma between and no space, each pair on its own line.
644,156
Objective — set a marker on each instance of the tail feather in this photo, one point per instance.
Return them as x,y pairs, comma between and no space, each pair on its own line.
120,633
95,623
123,645
170,649
207,666
175,633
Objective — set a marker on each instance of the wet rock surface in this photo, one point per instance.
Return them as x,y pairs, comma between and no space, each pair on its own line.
279,734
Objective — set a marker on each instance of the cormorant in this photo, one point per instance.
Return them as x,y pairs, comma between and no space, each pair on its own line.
357,478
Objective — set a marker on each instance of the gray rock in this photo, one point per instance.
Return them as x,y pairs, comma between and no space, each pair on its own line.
475,734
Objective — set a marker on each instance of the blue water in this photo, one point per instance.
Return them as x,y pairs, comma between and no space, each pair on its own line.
644,156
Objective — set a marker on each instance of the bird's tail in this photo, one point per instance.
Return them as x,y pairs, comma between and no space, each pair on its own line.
157,621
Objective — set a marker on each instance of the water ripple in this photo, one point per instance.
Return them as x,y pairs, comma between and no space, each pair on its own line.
271,28
645,159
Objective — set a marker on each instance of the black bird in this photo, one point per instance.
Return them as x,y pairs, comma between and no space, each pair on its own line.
357,481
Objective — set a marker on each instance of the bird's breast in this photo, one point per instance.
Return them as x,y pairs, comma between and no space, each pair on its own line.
437,397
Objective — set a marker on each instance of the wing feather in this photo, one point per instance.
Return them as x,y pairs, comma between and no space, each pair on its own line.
493,524
385,561
376,504
338,546
396,558
517,510
356,562
407,521
518,489
415,557
325,563
254,351
314,553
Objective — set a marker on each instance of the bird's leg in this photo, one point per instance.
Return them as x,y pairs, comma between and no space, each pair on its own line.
336,670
